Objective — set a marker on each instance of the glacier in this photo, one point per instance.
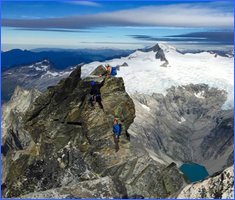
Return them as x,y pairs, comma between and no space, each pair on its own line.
145,75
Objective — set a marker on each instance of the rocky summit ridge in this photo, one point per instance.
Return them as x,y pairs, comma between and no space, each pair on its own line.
70,150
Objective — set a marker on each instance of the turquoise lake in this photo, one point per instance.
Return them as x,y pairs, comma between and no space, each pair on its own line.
194,172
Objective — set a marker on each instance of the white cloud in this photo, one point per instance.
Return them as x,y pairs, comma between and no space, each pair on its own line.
180,15
86,3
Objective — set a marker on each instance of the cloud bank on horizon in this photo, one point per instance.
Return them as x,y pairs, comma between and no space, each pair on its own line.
181,15
213,20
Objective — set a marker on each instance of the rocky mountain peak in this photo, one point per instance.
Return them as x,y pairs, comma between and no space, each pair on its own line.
160,46
69,134
154,48
159,49
72,146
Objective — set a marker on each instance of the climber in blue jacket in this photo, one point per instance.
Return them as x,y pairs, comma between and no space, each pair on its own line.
116,133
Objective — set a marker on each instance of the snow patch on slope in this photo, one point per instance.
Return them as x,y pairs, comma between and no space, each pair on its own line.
42,68
51,73
145,107
200,95
182,119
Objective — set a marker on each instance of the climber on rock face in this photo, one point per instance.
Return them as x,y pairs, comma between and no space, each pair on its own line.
95,95
110,71
117,132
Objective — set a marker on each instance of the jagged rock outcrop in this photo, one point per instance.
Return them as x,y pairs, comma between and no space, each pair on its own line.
67,132
185,125
124,64
219,186
100,188
147,177
16,107
73,143
14,137
159,54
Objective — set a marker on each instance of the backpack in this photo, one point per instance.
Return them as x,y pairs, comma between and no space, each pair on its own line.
114,71
120,126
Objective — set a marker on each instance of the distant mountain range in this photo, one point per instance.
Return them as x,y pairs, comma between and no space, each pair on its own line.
60,58
40,75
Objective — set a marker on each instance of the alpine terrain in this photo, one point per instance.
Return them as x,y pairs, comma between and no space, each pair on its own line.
174,108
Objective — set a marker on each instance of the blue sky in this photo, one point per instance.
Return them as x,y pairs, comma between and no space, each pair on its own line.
113,24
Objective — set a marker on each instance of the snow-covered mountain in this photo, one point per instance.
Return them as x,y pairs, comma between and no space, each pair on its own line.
152,72
39,75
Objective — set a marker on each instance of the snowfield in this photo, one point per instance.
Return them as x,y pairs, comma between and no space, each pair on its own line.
144,73
39,66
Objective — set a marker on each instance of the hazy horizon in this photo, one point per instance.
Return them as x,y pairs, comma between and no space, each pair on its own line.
179,47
